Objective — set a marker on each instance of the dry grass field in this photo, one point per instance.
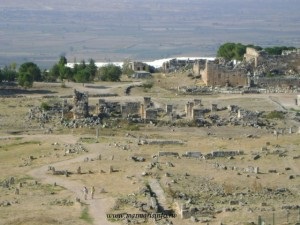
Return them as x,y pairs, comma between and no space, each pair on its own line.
27,151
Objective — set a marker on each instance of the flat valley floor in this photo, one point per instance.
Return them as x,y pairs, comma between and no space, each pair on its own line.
216,190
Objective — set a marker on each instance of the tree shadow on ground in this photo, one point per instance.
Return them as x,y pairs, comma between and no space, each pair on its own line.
95,87
12,89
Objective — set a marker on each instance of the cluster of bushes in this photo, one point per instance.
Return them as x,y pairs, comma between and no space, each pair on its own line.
26,74
236,51
83,72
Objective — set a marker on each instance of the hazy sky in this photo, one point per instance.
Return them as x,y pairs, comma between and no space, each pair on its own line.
41,30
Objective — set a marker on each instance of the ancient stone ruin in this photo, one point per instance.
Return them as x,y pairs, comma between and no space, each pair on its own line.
81,106
174,65
257,69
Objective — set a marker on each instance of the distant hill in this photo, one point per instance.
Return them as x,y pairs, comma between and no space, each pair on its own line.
42,30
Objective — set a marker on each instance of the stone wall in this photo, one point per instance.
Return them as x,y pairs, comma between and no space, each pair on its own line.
197,155
279,82
168,154
169,109
151,114
256,64
253,56
198,113
138,66
176,64
194,110
130,108
216,74
141,75
226,153
199,66
286,64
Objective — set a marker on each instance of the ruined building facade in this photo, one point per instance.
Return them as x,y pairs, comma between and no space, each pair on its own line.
199,66
144,110
194,110
256,65
138,66
262,63
176,64
253,56
216,74
130,108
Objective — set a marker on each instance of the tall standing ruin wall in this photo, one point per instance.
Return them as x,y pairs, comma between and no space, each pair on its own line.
81,106
218,75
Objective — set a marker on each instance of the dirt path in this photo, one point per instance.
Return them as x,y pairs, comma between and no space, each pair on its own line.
97,206
275,100
104,88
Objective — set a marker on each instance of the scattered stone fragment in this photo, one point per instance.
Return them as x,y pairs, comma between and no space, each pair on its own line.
256,157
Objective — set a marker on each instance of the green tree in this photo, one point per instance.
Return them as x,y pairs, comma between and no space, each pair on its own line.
277,50
236,51
68,73
110,72
32,69
62,61
54,72
92,69
25,79
79,67
63,70
47,76
60,70
1,76
84,72
82,76
9,74
226,51
239,51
